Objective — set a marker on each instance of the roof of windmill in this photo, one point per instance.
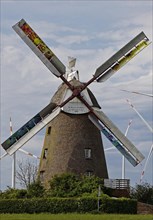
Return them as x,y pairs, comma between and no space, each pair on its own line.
58,96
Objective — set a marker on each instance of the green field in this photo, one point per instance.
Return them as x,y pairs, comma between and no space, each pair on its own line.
73,217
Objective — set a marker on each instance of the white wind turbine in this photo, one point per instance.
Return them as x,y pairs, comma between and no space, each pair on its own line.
150,129
14,158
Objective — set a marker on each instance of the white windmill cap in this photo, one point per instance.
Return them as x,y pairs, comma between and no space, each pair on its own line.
72,61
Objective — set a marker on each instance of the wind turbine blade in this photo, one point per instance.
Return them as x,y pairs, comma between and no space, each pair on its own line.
146,163
108,149
32,127
138,93
114,140
29,154
129,124
140,116
4,155
119,135
119,59
44,53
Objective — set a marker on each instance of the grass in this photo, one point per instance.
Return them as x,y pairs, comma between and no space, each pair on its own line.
74,217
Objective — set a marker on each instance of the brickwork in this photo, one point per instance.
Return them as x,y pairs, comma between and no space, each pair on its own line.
66,139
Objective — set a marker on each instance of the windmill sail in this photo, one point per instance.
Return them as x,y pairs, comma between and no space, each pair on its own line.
32,127
114,140
119,136
119,59
44,53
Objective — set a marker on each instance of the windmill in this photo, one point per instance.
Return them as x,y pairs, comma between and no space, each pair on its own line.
72,141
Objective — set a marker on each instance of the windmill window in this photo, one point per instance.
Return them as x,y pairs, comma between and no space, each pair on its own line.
49,130
89,173
45,153
87,153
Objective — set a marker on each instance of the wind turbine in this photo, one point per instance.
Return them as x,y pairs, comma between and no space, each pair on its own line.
14,158
150,129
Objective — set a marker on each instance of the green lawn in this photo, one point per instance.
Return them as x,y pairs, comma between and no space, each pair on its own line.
73,217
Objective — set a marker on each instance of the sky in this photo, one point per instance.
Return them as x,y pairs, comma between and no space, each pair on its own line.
91,31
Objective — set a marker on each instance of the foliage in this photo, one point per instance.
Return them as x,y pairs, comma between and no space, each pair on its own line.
143,193
122,205
67,205
71,185
35,190
11,193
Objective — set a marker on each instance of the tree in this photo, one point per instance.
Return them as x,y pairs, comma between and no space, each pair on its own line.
35,189
26,172
143,193
72,185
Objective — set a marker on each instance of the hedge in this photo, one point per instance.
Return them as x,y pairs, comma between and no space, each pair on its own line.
122,206
67,205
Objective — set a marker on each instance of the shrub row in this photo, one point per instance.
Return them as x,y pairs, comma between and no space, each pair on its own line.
122,206
67,205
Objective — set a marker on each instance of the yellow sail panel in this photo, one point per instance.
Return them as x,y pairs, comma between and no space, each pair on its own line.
120,58
44,53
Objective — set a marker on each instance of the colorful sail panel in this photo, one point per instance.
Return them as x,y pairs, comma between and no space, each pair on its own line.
119,135
27,131
114,141
44,53
120,58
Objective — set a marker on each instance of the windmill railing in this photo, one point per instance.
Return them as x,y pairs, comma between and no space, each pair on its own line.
117,183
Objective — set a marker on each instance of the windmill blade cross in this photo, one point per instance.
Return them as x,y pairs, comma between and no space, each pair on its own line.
27,131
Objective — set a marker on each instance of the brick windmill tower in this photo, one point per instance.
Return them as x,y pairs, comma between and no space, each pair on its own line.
74,119
72,142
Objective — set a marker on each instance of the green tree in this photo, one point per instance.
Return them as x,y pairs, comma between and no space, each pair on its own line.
143,193
35,189
71,185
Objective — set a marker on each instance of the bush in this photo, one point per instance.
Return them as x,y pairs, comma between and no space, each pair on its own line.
87,204
122,206
67,205
143,193
11,193
35,190
71,185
